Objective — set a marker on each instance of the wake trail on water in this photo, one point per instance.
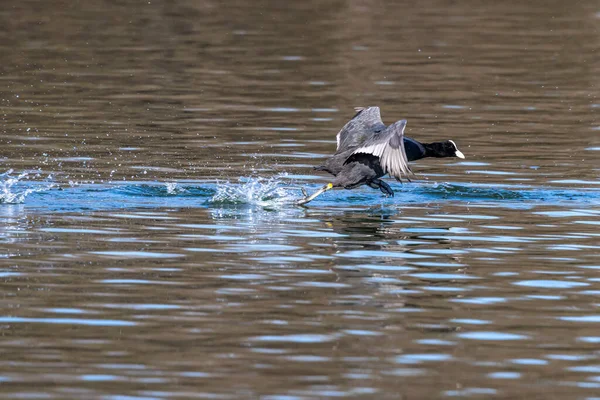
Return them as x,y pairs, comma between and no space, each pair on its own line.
36,192
269,193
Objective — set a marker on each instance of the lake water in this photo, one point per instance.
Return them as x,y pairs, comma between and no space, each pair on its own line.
150,153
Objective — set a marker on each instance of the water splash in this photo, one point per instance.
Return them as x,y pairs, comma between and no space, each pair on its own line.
263,192
173,188
15,189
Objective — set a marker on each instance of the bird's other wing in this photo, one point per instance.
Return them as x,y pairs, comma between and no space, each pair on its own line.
388,145
359,128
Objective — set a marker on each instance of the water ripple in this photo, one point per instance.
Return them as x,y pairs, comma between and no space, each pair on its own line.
68,321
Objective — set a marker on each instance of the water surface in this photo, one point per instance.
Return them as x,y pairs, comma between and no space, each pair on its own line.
151,153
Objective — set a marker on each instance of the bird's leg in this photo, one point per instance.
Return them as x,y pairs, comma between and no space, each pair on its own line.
310,198
385,188
381,185
373,184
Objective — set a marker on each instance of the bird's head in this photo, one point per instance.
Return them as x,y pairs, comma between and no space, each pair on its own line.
443,149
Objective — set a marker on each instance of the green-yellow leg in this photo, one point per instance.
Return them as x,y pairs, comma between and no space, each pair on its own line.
310,198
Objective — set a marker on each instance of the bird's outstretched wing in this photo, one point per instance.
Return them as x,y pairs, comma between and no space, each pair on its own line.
388,145
359,128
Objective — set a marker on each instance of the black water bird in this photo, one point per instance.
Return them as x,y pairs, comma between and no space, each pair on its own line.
367,149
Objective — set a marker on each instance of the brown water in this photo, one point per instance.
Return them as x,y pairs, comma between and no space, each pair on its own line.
148,248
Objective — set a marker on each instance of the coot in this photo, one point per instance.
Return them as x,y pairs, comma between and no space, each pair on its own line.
367,149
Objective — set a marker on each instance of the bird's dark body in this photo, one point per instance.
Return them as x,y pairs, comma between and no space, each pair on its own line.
335,163
358,169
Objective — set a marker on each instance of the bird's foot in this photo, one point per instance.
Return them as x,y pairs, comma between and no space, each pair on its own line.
385,188
310,198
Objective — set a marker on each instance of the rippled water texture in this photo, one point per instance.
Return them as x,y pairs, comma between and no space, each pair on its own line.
151,152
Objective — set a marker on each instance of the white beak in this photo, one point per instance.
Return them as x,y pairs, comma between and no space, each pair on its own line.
457,153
